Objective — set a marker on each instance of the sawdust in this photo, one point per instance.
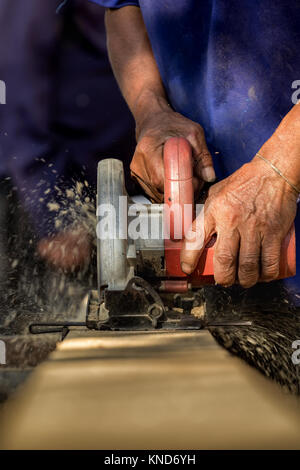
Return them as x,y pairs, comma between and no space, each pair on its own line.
76,207
30,287
267,343
198,312
265,348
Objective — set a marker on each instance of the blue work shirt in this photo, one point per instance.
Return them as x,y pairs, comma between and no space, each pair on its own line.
229,65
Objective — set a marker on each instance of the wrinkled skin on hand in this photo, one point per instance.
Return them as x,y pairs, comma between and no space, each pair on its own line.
68,251
152,133
251,212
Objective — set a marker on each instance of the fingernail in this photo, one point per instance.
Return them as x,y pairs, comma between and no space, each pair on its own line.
186,268
208,174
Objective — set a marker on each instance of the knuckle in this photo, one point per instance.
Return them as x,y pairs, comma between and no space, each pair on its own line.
195,131
191,135
274,226
248,266
143,146
225,259
212,193
226,219
270,261
204,158
156,180
270,266
212,203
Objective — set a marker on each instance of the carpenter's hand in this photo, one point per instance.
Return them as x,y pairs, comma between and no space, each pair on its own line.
67,251
147,163
251,212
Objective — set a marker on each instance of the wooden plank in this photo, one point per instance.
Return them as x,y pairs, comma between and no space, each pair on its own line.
176,390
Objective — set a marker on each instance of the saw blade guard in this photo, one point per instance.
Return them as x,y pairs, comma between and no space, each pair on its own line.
114,271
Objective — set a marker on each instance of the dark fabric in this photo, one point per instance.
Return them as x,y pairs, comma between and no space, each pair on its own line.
64,111
116,3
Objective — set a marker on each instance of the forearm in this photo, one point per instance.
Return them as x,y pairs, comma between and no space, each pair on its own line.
133,62
283,148
138,76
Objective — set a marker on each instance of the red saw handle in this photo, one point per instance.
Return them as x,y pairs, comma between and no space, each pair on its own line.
178,215
178,187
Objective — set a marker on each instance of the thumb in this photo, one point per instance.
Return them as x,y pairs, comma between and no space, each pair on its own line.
198,236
